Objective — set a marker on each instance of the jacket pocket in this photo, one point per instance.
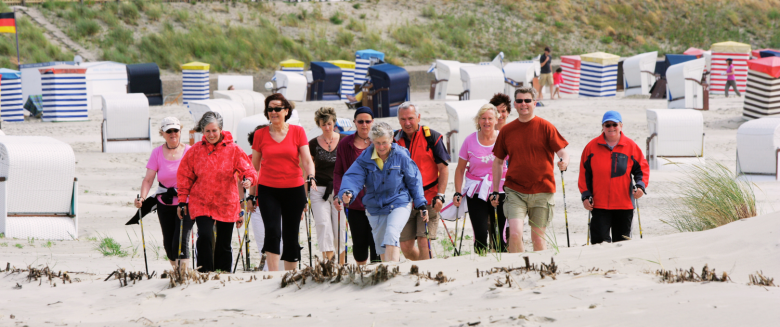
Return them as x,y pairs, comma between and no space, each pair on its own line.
619,164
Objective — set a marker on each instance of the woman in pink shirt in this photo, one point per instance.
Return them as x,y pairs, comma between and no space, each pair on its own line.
163,164
477,153
731,79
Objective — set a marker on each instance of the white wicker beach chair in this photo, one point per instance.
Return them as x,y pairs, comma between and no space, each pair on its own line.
676,136
460,115
758,147
683,85
126,124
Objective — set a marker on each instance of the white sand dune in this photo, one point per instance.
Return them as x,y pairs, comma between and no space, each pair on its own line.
578,297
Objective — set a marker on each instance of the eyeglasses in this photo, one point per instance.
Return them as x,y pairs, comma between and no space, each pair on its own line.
518,101
276,109
172,131
610,125
361,122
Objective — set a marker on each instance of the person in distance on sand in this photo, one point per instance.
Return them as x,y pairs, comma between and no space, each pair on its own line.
350,148
163,164
503,105
392,183
606,168
476,162
426,148
545,74
326,216
207,180
278,152
528,143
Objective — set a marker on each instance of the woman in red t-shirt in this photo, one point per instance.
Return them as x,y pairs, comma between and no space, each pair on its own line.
278,152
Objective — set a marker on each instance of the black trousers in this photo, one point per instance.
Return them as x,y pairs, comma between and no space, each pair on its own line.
483,217
619,221
281,209
222,253
362,237
170,225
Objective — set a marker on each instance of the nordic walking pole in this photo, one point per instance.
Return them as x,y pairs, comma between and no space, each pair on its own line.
181,232
193,249
565,212
457,219
430,255
240,241
338,235
308,224
590,212
213,245
450,235
498,230
462,232
143,239
638,216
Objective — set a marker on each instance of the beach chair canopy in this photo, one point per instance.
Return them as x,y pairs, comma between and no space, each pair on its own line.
145,78
460,115
448,83
762,97
291,84
126,125
683,88
757,144
675,135
327,81
33,168
396,82
482,81
638,73
232,112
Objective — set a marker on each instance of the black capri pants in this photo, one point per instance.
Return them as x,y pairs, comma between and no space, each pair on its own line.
362,237
618,221
281,209
170,224
483,217
214,254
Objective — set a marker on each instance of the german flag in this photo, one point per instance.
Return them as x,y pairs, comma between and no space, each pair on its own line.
7,22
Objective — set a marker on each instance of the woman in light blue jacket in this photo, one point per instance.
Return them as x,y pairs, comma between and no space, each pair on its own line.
392,181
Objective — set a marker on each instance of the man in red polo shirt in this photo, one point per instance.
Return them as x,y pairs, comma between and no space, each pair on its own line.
427,150
529,142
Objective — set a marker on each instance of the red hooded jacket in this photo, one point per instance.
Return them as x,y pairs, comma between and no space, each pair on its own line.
207,175
606,174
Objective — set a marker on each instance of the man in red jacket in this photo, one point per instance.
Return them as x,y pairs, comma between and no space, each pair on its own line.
613,172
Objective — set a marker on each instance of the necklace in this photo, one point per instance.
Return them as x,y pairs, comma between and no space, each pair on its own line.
365,140
328,143
173,148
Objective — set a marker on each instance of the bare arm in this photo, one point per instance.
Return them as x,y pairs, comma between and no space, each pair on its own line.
256,158
563,164
498,171
146,185
444,176
459,172
306,162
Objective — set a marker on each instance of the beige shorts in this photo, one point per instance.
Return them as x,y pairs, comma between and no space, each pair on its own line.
546,79
538,207
415,227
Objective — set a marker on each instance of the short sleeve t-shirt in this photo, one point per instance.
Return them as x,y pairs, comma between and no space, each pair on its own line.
480,158
545,69
730,69
279,166
166,169
324,161
530,148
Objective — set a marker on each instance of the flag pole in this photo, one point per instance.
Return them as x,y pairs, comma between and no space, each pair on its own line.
16,31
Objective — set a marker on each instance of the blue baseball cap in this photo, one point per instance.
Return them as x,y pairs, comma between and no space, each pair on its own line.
612,116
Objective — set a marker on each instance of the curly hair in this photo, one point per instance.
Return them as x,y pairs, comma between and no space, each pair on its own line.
285,104
501,98
324,115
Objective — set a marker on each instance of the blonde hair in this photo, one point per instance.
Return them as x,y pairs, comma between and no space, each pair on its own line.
482,110
324,114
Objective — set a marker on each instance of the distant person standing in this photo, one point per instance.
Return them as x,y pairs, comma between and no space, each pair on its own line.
557,81
731,79
546,78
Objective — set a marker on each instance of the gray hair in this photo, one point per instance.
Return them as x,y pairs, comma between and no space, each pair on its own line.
407,105
208,118
380,129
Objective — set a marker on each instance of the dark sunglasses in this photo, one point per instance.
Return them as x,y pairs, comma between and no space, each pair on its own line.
171,131
610,125
276,109
361,122
518,101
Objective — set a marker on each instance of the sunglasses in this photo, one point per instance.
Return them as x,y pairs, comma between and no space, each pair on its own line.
361,122
172,131
518,101
276,109
610,125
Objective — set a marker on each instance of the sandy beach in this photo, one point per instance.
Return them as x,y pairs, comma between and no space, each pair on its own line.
602,285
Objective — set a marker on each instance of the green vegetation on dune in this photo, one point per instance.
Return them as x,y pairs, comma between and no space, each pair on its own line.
257,35
33,45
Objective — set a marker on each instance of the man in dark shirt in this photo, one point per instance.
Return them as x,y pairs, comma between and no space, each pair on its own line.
546,78
427,150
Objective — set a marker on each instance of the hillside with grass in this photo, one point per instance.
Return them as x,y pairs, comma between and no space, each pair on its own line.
248,36
34,46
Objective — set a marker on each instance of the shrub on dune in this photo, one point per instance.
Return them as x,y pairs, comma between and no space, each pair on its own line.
710,196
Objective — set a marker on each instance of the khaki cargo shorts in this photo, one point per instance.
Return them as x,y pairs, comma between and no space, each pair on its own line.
538,207
546,79
415,227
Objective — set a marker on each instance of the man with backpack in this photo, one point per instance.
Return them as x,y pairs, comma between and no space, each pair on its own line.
428,152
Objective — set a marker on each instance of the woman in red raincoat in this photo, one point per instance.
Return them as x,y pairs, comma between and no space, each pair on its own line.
207,180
